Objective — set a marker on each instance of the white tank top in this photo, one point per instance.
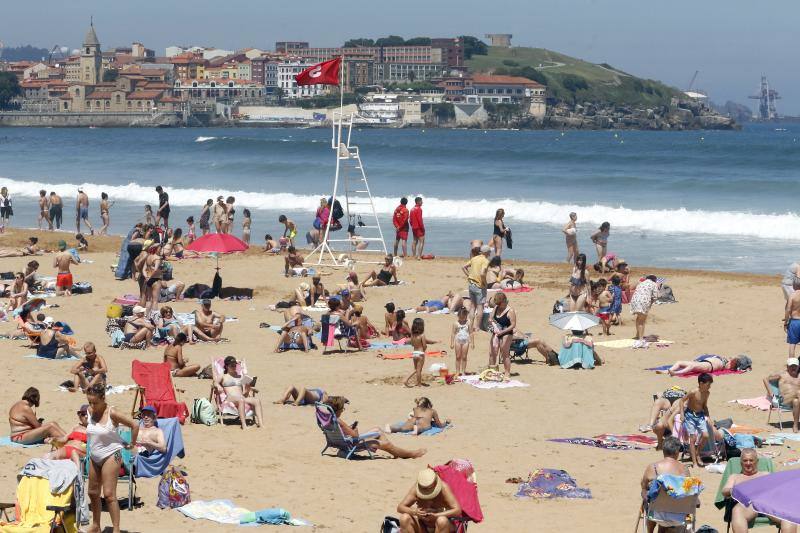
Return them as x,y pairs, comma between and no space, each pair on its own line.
104,441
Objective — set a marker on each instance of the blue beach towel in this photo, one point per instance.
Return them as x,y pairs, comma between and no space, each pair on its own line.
428,433
35,356
577,354
6,441
156,463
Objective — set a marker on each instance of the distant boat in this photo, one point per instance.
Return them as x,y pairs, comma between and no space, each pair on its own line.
781,129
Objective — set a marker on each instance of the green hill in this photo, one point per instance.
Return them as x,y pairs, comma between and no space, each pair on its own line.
573,80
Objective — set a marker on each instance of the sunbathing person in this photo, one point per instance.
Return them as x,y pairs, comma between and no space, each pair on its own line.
422,418
151,437
661,406
366,329
385,276
789,385
26,428
54,344
73,445
428,506
168,325
138,328
357,291
708,363
389,319
668,465
375,438
173,354
742,515
302,396
294,332
32,248
237,387
309,294
90,369
451,302
171,290
401,329
512,279
294,262
18,292
208,324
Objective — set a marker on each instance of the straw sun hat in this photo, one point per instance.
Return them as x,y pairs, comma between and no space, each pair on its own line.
428,484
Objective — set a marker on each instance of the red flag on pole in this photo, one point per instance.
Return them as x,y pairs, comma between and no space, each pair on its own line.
325,73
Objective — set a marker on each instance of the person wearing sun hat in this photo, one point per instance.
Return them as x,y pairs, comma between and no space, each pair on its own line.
788,382
428,506
139,328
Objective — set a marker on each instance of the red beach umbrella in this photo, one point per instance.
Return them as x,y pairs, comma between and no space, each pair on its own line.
218,243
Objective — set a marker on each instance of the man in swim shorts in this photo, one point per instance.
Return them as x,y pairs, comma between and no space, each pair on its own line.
791,319
400,222
417,228
62,261
82,211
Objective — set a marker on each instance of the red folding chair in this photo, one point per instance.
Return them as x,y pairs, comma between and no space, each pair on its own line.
154,381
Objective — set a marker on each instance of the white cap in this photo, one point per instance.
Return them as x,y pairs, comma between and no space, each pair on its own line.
138,309
485,249
793,361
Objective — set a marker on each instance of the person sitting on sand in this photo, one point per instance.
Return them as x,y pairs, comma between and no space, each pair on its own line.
294,262
366,329
743,515
789,385
428,506
151,437
32,248
237,387
138,328
32,276
385,276
309,294
294,332
73,445
422,418
389,319
18,292
668,465
26,428
90,369
271,246
569,359
662,405
401,329
419,345
357,291
512,278
168,325
208,324
494,273
375,438
174,244
695,416
708,363
302,396
173,354
54,344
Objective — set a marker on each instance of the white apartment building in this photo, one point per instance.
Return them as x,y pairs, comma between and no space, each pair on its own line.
287,70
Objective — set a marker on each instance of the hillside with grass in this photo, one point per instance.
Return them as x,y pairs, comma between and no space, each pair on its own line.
573,80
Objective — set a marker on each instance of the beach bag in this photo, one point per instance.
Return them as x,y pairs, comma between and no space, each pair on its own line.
173,489
114,311
561,306
203,412
390,525
82,287
166,271
206,373
665,295
317,223
673,394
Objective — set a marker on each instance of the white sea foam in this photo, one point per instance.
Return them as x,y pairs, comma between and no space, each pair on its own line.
783,226
204,139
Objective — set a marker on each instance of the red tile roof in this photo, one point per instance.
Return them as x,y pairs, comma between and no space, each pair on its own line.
483,79
144,95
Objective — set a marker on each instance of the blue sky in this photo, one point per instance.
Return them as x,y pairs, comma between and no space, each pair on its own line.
731,42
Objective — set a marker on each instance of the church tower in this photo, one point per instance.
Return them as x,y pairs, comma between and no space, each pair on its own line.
91,58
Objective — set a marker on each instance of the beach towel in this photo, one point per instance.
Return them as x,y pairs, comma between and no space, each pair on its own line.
409,355
220,511
275,516
675,486
633,438
465,491
430,432
631,343
761,403
788,436
599,443
524,288
723,372
155,463
6,441
128,299
476,382
749,430
34,356
547,483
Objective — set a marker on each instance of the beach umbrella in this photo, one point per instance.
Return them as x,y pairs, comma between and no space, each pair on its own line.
29,307
576,320
217,243
773,495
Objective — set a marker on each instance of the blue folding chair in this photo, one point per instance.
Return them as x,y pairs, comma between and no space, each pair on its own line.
335,438
777,404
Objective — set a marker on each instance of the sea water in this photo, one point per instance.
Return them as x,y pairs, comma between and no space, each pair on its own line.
698,199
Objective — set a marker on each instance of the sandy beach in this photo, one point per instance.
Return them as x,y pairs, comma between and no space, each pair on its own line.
503,432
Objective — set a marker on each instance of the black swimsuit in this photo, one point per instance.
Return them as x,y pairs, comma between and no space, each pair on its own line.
502,320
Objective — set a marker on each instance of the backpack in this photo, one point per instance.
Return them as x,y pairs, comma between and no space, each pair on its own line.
338,212
390,525
173,489
203,412
166,271
561,306
665,295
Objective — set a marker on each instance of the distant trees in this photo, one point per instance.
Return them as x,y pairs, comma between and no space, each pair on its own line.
524,72
24,53
473,46
355,43
572,82
9,88
110,75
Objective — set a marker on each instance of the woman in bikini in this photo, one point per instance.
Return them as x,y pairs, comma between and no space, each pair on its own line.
504,320
18,293
400,329
707,363
237,388
570,231
422,418
72,446
294,332
494,273
578,284
499,231
600,240
25,427
302,396
205,217
105,205
173,354
153,274
105,452
246,222
384,276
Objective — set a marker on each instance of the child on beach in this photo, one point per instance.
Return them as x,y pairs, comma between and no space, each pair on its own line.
246,221
149,219
603,303
616,300
400,330
419,344
389,319
461,336
422,418
271,245
289,228
191,234
694,413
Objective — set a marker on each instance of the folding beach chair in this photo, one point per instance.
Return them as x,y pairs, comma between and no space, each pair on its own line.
126,475
154,381
465,491
220,401
734,466
712,449
331,333
38,509
155,463
777,404
669,512
334,438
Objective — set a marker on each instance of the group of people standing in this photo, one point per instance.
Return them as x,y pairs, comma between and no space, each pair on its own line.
403,220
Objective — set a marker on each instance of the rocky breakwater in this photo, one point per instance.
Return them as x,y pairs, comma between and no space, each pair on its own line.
679,115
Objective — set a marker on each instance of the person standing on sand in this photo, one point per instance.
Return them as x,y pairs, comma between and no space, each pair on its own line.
220,214
499,231
417,228
642,300
792,273
695,416
105,205
570,232
475,270
205,216
56,210
62,261
163,207
44,210
6,210
791,319
400,221
600,240
82,211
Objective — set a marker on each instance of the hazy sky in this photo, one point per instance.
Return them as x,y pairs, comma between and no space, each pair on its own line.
731,42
